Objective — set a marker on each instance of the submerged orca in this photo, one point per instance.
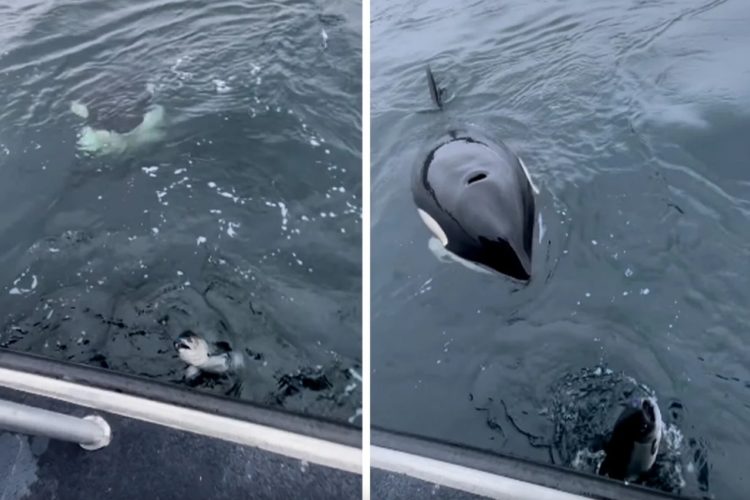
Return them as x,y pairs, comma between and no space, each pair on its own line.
632,448
112,128
477,198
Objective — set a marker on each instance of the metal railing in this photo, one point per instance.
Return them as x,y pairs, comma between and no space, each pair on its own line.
312,439
91,432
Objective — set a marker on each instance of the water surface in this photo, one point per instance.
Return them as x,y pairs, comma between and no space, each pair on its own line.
242,222
632,118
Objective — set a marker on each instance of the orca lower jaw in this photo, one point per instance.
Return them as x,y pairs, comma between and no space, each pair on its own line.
500,256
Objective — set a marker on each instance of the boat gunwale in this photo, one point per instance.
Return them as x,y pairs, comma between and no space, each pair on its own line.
343,435
447,459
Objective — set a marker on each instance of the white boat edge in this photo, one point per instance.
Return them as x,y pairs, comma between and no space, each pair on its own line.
462,478
282,442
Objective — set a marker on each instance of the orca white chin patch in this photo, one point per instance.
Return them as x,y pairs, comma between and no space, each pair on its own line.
438,243
444,255
644,454
659,423
433,226
528,176
196,354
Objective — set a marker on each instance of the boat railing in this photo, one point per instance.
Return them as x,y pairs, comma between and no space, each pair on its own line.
491,474
305,437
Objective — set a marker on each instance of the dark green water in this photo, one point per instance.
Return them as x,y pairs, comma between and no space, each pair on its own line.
633,119
243,222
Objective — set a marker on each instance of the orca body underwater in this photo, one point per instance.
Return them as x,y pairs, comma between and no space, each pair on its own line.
477,198
111,129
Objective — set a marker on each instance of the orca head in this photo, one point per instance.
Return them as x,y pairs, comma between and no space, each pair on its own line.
634,442
641,419
191,348
477,199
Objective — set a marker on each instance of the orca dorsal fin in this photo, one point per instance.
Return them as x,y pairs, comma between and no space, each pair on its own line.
435,91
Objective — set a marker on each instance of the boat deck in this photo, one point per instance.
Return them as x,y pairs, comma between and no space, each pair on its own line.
150,461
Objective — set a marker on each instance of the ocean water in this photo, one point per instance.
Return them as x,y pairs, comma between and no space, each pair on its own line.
632,118
237,216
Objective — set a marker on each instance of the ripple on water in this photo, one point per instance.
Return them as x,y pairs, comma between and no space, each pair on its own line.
116,253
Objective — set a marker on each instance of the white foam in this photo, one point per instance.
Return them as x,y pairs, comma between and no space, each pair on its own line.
357,413
16,290
201,240
284,215
356,375
229,195
542,228
221,86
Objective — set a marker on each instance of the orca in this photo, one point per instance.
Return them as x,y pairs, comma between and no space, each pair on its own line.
634,443
477,198
112,129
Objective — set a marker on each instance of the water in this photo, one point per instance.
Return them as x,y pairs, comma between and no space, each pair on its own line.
240,218
631,117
